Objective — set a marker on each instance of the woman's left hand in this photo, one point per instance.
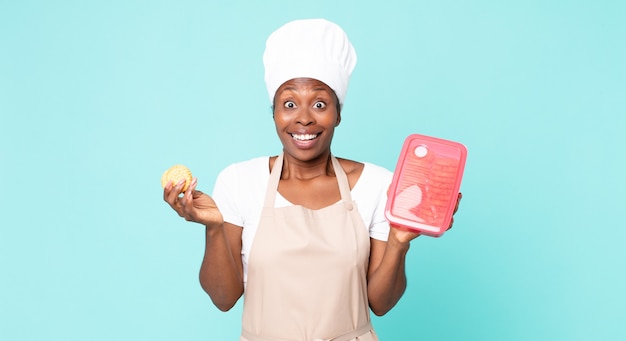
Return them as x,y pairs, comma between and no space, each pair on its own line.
405,236
456,208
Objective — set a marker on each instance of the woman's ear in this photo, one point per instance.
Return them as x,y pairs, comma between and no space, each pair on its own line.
338,116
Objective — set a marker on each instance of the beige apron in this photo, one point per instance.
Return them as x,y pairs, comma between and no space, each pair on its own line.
307,271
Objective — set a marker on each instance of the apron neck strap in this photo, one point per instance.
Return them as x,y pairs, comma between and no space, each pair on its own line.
344,186
272,185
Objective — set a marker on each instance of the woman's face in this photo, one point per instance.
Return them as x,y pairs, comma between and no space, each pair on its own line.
306,114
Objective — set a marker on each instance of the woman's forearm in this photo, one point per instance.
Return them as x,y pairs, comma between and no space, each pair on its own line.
387,283
220,275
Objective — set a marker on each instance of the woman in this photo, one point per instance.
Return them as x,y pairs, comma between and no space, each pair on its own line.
301,235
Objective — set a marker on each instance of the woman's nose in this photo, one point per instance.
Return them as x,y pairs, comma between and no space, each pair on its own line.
305,117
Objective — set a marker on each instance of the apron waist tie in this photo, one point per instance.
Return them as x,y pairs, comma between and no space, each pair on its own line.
345,337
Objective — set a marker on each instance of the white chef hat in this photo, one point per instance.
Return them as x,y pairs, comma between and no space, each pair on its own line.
311,48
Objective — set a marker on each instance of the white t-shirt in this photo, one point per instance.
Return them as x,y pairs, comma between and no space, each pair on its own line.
240,188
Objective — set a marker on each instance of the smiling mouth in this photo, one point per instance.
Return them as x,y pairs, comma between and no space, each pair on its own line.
304,137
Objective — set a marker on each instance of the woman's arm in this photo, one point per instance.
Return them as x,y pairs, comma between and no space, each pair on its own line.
221,273
386,276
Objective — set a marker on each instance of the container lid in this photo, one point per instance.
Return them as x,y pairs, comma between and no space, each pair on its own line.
426,183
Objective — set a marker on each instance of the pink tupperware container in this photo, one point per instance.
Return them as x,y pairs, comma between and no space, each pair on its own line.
425,184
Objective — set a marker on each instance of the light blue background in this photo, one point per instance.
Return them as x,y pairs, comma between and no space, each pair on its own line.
98,98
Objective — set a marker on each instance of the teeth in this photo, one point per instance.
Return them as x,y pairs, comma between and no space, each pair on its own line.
304,137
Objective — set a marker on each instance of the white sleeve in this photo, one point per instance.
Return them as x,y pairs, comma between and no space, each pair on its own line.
225,194
379,229
371,191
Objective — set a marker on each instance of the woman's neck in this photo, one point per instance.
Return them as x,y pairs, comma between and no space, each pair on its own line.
307,170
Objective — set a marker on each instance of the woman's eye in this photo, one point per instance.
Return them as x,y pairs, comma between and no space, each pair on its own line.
319,105
289,104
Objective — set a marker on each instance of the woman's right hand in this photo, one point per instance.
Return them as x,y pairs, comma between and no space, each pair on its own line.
193,205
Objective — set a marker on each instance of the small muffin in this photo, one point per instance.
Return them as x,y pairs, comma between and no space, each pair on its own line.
175,174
